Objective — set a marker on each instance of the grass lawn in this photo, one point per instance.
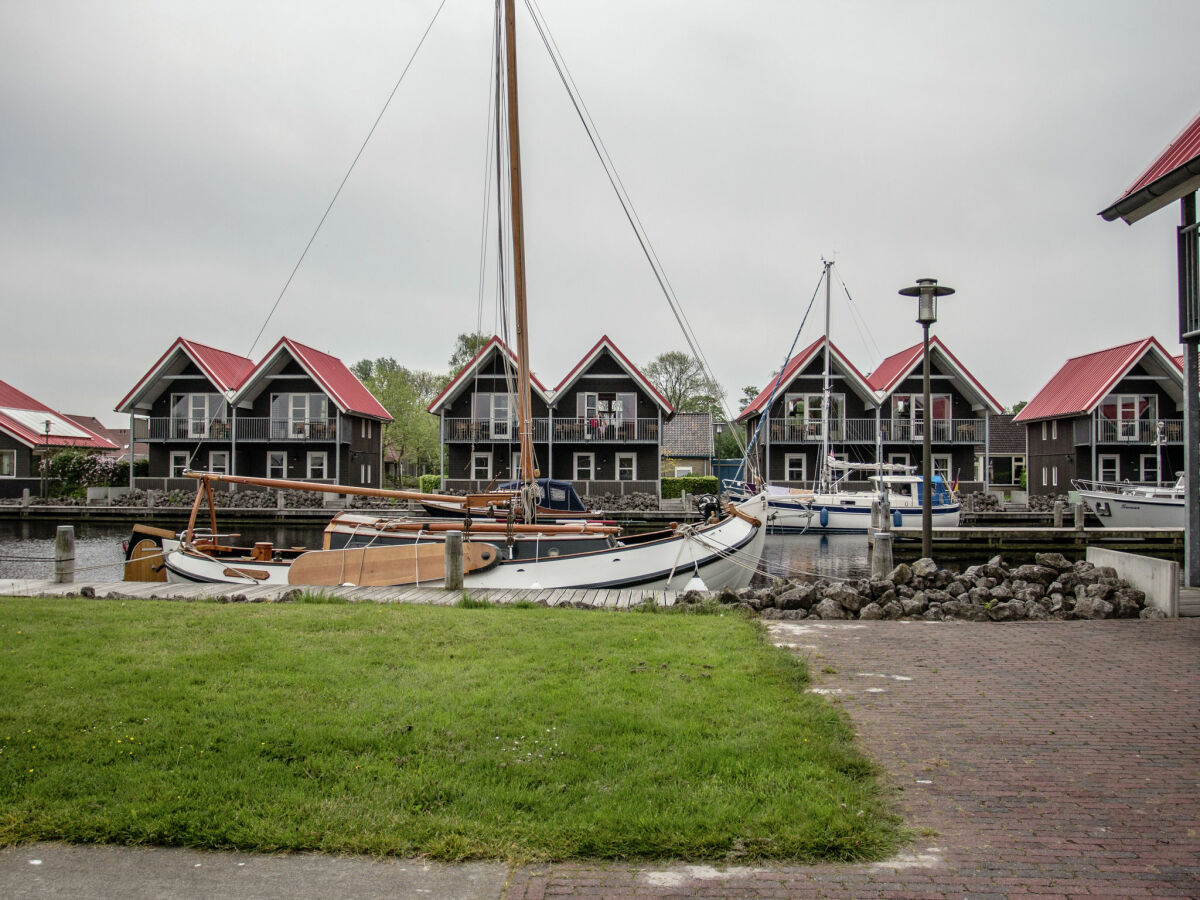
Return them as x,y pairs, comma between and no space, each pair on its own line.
502,733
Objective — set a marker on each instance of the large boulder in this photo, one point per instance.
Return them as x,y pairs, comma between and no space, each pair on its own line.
902,574
1006,612
1053,560
802,596
1040,574
850,599
924,567
1093,608
871,611
829,609
914,605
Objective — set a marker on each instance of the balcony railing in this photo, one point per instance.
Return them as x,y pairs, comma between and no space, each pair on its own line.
1134,431
624,431
583,488
184,429
862,431
483,430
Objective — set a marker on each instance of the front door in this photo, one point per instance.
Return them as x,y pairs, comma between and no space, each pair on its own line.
500,417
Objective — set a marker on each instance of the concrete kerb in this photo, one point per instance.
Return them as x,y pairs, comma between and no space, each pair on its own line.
1157,578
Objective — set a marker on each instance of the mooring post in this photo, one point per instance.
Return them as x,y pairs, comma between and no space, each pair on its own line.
885,514
1058,513
453,578
64,554
1077,510
881,555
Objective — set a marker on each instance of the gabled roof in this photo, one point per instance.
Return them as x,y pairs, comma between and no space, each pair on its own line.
463,378
892,371
225,371
1173,174
798,364
688,434
1083,381
330,373
24,419
605,343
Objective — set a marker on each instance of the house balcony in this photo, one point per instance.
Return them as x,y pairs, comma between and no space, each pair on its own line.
626,431
249,429
481,431
1128,431
584,488
863,431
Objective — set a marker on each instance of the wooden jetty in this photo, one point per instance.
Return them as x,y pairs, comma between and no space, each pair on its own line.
1166,543
601,598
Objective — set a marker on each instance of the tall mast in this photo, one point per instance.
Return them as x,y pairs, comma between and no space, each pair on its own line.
524,402
823,467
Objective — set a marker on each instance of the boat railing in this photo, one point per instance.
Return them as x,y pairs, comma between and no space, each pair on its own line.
1137,431
482,430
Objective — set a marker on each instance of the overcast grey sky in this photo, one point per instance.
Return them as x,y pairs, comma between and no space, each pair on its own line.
162,165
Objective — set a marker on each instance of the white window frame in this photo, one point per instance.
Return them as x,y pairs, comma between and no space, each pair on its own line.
364,473
1106,461
297,412
1045,430
1045,476
315,459
947,468
484,456
367,429
810,422
589,460
1054,429
898,459
631,460
1054,476
789,460
514,464
214,456
683,471
1149,463
177,462
11,466
282,467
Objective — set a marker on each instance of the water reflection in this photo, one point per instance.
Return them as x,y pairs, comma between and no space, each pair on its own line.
835,555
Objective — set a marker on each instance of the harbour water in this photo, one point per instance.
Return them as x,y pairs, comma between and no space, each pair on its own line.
27,550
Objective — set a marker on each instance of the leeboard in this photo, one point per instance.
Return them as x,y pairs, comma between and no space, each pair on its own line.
384,566
145,563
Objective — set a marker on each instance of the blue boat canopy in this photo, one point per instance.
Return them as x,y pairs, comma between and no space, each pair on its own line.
556,495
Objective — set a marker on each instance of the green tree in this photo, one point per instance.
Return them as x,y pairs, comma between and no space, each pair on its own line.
412,436
1018,406
465,347
681,380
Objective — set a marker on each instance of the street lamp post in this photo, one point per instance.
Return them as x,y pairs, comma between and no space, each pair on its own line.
927,290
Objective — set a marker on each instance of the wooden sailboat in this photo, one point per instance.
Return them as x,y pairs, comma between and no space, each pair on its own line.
362,549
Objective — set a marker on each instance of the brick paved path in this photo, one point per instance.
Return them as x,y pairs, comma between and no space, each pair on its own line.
1057,759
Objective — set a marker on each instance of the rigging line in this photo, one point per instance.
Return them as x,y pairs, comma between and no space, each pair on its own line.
622,194
778,378
487,192
346,178
862,318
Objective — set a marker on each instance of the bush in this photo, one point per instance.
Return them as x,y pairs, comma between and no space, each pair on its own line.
693,484
430,483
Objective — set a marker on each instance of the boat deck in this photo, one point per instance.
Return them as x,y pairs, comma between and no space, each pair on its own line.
432,596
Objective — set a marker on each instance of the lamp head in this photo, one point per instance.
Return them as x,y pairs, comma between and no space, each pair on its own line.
927,290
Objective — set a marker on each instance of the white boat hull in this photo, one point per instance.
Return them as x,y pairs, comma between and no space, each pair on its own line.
834,517
724,555
1115,510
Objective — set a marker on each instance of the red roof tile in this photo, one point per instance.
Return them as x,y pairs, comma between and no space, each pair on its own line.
224,370
1084,381
1171,175
336,380
606,343
21,428
893,370
794,367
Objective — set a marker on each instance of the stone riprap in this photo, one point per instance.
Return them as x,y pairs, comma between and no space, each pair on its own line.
1051,588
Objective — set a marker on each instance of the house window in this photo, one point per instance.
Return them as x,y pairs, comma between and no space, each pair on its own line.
607,415
8,463
943,464
193,414
682,471
1110,467
626,467
898,459
179,463
300,416
803,412
218,461
496,415
481,466
1054,476
1045,430
1054,430
1149,468
1045,477
318,464
1128,417
364,473
277,464
585,466
795,467
515,464
367,429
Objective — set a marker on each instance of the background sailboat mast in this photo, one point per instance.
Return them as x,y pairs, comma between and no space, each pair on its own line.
823,465
524,404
